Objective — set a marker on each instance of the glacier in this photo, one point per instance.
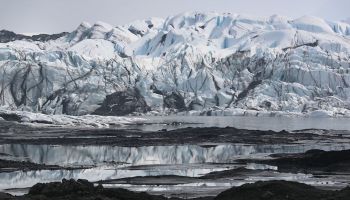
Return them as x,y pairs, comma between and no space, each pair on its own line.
190,64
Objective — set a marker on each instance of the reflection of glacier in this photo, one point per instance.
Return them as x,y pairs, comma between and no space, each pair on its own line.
210,184
178,154
181,160
20,179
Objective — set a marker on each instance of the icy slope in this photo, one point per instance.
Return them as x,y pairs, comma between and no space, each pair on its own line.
205,63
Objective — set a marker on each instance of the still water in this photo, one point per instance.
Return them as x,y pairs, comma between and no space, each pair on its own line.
254,123
113,162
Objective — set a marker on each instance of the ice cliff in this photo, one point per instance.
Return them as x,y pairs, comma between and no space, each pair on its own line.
192,63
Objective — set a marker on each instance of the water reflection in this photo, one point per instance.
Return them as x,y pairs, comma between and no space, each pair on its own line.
21,179
251,123
152,155
121,162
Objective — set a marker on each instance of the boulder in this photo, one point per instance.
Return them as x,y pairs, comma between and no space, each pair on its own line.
175,101
123,103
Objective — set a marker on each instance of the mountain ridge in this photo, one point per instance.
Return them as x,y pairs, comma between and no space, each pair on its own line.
9,36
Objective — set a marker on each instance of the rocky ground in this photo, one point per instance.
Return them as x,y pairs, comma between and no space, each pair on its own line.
11,166
281,190
84,190
313,161
12,132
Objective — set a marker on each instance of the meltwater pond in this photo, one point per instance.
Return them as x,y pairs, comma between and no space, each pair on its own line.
115,163
175,167
151,123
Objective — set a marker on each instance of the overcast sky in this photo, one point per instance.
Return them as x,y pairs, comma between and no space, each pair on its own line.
49,16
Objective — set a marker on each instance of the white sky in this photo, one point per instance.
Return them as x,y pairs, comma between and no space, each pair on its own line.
49,16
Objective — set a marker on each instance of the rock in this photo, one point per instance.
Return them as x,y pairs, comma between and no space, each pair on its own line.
267,195
8,36
84,190
274,190
67,187
13,165
271,190
123,103
37,189
175,101
4,196
11,117
313,161
86,183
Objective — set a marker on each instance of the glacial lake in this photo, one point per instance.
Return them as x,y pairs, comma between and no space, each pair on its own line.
153,123
181,166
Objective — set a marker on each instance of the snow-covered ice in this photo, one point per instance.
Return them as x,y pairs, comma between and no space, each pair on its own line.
218,64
